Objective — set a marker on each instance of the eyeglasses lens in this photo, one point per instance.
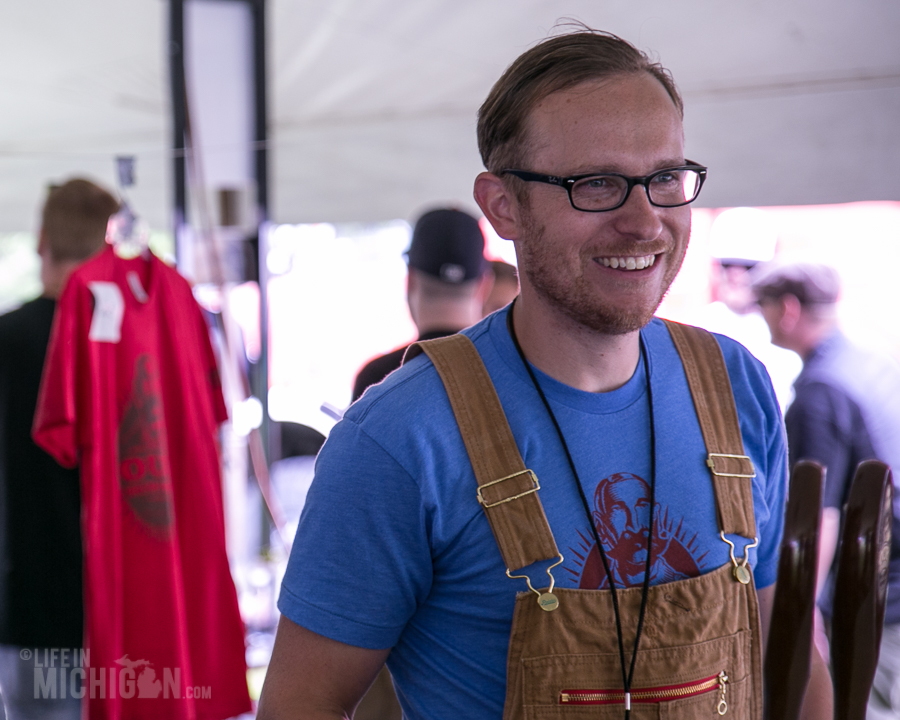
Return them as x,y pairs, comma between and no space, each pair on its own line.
666,189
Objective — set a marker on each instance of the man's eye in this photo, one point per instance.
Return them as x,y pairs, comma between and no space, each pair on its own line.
666,177
602,183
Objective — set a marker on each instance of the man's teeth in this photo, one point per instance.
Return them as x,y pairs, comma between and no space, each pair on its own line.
629,263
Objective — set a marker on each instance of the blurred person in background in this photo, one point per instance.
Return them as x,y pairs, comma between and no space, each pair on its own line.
846,410
446,287
740,240
41,605
505,287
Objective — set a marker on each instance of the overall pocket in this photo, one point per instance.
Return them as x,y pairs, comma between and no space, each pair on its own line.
706,680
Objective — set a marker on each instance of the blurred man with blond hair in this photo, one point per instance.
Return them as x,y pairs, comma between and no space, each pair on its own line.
40,536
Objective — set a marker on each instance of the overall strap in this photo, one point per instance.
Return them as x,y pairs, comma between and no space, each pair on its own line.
710,387
507,490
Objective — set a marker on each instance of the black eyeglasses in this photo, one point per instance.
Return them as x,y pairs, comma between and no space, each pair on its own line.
670,187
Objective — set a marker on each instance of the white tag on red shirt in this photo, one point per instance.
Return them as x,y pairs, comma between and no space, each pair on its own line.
109,307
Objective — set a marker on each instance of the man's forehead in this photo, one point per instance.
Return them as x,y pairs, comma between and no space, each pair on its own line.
610,114
614,97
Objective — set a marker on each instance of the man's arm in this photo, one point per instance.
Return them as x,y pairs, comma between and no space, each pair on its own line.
828,541
313,677
819,700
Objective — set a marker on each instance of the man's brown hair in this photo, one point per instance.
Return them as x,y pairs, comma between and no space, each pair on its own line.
555,64
73,223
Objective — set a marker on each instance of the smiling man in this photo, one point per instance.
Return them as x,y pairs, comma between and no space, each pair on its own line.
449,530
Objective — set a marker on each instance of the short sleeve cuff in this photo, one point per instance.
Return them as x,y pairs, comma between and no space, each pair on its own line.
336,627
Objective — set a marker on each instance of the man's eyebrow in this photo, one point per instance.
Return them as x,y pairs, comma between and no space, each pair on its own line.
619,170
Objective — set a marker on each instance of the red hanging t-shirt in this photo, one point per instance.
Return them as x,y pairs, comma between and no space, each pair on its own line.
131,392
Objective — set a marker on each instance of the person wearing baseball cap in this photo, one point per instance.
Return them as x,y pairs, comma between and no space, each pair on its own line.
447,283
845,410
741,239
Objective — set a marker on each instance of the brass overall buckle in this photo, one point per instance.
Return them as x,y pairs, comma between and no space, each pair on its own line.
535,486
711,462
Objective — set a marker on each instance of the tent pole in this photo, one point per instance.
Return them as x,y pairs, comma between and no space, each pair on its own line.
271,435
176,69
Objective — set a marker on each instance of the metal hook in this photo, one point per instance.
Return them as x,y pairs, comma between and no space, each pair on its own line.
547,600
741,571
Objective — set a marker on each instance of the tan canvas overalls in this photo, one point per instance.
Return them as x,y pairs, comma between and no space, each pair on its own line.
700,651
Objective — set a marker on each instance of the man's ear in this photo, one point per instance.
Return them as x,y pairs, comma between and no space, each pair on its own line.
791,309
412,294
42,243
498,204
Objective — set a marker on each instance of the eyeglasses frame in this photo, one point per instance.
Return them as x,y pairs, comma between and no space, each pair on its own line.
569,182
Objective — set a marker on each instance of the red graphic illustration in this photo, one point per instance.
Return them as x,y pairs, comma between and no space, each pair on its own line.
143,458
621,515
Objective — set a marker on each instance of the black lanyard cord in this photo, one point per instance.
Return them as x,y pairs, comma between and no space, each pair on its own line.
645,589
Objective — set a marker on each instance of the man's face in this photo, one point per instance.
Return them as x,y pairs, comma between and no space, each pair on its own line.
771,310
627,125
734,289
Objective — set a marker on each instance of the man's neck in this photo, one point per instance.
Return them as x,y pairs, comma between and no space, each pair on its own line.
809,334
446,317
815,339
54,275
53,284
571,353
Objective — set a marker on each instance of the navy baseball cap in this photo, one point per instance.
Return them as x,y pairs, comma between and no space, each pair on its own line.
449,245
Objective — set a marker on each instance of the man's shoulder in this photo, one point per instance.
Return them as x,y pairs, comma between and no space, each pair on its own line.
25,310
377,369
412,391
26,319
11,320
750,382
851,367
398,386
387,362
732,350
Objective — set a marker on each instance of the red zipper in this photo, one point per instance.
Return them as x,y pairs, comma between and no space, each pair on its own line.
660,693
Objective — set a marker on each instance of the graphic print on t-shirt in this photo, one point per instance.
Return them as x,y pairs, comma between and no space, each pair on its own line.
143,457
621,513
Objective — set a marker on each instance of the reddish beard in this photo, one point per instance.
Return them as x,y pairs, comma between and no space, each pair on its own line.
548,274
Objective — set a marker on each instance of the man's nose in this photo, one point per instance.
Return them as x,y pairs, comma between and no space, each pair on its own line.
637,216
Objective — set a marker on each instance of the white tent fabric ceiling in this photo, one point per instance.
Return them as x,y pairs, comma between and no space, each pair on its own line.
372,102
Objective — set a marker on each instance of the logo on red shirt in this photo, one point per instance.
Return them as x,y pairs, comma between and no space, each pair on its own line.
143,458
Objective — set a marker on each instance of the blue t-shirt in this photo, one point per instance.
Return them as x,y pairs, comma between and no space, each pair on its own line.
394,551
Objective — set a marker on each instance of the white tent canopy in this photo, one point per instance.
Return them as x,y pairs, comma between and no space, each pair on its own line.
372,102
